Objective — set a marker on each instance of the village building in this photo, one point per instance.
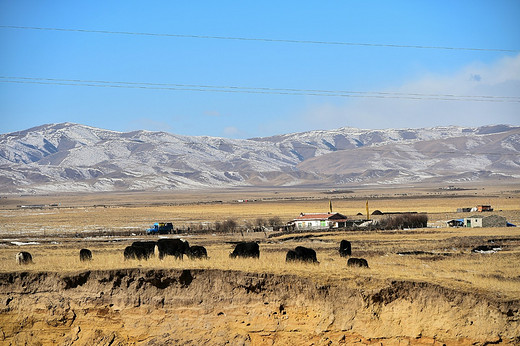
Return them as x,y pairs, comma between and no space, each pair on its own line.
455,223
482,208
485,221
319,221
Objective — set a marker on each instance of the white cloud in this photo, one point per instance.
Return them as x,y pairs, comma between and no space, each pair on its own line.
231,131
500,79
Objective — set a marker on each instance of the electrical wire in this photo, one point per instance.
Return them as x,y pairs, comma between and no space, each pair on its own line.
256,90
259,39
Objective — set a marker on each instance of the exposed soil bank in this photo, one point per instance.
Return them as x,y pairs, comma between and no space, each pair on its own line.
195,307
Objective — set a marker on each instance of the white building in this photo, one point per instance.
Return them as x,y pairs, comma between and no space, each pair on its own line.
485,221
319,221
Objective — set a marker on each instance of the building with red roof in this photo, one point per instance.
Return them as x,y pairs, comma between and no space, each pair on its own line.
319,221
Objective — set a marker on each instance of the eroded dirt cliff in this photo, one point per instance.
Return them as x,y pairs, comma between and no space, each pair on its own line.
195,307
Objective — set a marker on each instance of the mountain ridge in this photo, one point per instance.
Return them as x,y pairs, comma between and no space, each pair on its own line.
79,158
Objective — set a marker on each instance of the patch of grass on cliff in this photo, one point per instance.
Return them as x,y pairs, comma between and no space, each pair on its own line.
446,255
495,274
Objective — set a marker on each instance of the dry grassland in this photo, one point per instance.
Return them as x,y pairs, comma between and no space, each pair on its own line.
447,261
443,257
137,218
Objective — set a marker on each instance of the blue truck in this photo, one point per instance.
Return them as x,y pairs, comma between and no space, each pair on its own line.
160,228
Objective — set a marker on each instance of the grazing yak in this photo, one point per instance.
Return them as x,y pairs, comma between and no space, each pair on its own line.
345,248
172,247
85,255
246,249
140,250
135,252
357,262
301,254
23,257
197,252
163,247
147,246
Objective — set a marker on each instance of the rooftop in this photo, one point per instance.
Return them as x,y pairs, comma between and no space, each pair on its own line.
320,216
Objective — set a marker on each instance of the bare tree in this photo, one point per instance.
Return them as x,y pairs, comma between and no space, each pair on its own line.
248,225
275,221
229,226
259,222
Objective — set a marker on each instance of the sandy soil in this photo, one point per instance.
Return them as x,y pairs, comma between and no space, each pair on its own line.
195,307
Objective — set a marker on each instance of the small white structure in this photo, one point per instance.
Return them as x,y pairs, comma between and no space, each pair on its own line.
319,221
485,221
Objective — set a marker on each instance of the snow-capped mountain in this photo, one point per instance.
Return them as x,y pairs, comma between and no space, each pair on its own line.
475,155
73,157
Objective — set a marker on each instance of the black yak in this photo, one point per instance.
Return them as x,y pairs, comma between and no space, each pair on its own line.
246,249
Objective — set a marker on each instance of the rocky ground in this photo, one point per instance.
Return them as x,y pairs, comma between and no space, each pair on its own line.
195,307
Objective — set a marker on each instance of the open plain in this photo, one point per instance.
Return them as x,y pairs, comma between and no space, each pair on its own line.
423,286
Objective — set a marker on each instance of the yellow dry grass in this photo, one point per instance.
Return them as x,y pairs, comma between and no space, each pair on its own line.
450,264
138,218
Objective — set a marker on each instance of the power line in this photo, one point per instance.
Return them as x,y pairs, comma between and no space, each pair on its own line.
337,43
256,90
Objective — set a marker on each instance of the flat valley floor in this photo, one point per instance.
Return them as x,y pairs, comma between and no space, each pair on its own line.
423,286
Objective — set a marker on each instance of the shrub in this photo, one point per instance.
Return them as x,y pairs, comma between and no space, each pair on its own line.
404,221
229,226
275,221
260,222
248,225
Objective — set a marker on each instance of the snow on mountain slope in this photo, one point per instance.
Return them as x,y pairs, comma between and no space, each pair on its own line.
316,143
73,157
476,153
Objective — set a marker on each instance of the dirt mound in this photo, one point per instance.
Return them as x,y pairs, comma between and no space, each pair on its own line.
194,307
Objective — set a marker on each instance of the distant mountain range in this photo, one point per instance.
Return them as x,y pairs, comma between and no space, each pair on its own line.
70,157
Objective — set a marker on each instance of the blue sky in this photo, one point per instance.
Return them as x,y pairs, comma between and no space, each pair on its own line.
88,56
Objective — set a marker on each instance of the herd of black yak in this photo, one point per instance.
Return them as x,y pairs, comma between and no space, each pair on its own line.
177,248
143,250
